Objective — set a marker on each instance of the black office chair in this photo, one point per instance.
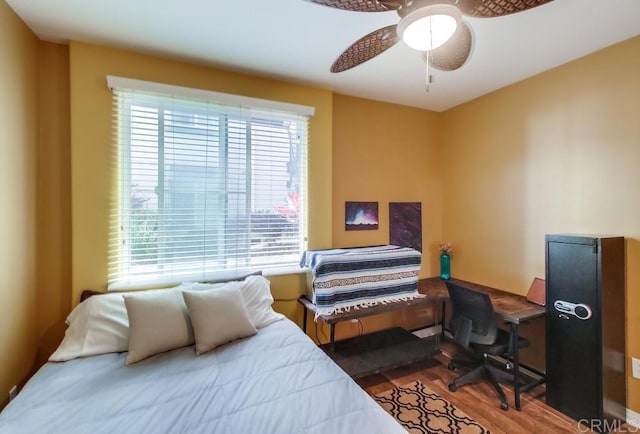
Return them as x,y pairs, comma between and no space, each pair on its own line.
473,326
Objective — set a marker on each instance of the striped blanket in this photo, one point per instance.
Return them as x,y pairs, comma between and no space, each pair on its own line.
362,276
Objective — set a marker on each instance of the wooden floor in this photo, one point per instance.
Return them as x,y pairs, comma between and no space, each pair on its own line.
479,400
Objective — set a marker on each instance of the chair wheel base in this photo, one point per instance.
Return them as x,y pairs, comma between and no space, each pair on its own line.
504,406
453,387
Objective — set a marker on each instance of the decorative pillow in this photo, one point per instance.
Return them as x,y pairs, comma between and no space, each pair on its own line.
98,325
158,322
218,316
257,297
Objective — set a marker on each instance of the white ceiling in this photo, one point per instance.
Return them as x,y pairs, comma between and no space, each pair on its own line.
298,41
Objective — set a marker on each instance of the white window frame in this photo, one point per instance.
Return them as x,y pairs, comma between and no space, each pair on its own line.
121,274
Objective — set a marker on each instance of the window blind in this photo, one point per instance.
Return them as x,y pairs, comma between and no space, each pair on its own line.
205,188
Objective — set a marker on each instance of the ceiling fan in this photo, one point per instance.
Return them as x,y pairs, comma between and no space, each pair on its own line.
434,27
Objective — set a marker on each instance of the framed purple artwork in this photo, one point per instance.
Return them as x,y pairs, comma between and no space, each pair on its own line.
359,216
405,224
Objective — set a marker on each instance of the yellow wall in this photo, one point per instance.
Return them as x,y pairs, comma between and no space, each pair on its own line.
91,156
54,198
556,153
386,153
18,142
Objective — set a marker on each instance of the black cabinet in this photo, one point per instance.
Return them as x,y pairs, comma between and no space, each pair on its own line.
585,328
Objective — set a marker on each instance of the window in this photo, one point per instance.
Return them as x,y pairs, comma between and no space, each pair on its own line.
206,188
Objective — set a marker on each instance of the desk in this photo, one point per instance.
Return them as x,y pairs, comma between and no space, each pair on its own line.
513,308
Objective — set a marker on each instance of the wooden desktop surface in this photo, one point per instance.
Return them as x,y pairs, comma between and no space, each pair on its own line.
511,307
435,296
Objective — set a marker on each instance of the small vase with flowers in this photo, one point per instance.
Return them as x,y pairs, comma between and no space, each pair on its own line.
445,260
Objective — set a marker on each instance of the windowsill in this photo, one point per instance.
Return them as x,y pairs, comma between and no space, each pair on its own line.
169,281
284,270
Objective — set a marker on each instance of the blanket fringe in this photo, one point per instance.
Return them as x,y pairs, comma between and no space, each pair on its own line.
365,304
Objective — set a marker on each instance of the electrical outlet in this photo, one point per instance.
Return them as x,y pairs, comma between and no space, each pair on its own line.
13,392
635,365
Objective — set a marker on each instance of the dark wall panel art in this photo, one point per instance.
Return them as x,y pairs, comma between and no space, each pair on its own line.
405,224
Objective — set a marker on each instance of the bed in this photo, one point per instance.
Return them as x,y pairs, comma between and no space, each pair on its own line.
275,380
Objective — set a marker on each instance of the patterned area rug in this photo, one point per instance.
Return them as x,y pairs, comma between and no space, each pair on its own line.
420,410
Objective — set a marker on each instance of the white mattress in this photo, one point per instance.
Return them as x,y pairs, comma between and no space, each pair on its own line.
277,381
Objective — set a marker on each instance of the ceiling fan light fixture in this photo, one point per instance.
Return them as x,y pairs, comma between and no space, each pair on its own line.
429,27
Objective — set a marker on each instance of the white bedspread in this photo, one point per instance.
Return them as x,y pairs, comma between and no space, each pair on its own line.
277,381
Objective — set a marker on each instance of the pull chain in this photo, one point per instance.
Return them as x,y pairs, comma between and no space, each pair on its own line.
428,77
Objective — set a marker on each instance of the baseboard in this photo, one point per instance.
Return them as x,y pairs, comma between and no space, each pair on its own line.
633,418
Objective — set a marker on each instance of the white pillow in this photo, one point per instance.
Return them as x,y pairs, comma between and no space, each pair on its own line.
218,316
158,322
256,294
258,299
98,325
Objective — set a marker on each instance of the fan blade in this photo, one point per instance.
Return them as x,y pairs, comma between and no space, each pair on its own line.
455,52
360,5
496,8
366,48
